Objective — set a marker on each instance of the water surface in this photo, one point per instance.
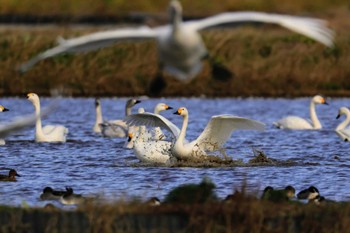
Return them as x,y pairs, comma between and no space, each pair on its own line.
94,165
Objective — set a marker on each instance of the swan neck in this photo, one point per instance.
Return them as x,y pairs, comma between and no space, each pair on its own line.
98,115
127,111
315,122
38,125
176,19
182,134
344,123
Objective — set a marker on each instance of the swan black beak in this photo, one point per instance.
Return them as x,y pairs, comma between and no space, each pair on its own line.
129,137
326,103
169,108
6,110
337,116
138,101
177,112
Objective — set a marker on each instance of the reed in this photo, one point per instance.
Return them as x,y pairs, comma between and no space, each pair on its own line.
266,61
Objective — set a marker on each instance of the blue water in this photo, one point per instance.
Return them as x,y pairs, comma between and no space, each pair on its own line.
93,165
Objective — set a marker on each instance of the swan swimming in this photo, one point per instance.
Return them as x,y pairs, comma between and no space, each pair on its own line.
216,133
3,109
342,130
298,123
49,133
117,128
99,118
181,49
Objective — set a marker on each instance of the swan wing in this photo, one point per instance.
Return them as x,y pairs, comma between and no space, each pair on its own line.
220,128
22,122
152,120
344,134
310,27
91,42
53,129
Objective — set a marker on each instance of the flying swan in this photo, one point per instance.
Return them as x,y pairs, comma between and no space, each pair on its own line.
342,130
213,137
295,122
49,133
181,49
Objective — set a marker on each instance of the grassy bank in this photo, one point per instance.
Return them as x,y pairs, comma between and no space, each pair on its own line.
241,215
265,61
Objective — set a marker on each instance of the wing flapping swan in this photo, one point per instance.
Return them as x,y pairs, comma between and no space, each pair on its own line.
181,49
213,137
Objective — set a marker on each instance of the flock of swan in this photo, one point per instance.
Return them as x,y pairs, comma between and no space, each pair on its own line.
181,50
144,134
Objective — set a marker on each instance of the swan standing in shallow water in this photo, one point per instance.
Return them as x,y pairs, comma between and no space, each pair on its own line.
295,122
48,133
213,137
341,130
180,46
117,128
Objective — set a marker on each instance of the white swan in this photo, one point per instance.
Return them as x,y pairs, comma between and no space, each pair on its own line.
295,122
216,133
342,130
3,109
140,131
99,118
49,133
180,46
118,128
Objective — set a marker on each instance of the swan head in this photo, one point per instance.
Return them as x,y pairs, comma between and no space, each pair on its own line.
182,111
32,97
141,110
175,9
343,111
318,99
97,102
132,102
3,109
162,107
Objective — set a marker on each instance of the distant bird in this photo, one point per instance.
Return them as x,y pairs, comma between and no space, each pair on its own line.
192,193
99,118
49,133
10,177
117,128
278,195
342,130
153,201
309,193
180,46
3,109
51,194
298,123
70,198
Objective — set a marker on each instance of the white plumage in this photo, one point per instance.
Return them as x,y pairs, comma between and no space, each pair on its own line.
216,133
180,46
48,133
342,130
116,128
298,123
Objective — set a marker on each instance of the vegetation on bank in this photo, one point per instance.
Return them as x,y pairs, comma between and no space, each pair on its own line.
243,212
265,61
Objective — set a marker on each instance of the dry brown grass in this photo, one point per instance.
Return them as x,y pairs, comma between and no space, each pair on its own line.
277,63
